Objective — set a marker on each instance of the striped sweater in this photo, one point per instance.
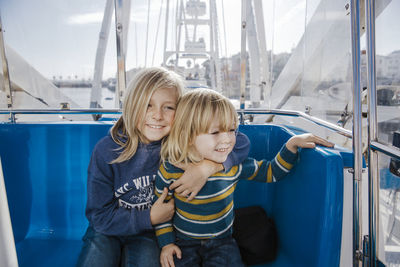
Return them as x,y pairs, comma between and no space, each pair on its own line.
210,214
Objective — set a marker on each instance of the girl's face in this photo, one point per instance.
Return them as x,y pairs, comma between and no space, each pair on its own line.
215,145
159,114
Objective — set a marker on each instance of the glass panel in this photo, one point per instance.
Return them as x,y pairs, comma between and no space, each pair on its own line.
388,243
299,53
388,112
51,52
388,70
311,63
289,15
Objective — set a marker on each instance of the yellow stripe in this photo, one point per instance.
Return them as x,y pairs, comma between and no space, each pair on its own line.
269,174
208,200
283,163
163,231
205,217
232,172
168,175
254,175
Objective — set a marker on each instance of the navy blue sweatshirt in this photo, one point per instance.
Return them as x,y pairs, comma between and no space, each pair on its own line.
120,195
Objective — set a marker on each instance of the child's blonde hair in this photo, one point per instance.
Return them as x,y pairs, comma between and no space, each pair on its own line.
125,131
194,115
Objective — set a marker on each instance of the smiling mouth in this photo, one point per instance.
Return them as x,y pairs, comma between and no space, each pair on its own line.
155,126
222,149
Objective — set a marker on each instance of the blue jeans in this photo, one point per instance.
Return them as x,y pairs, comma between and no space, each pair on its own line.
125,251
209,253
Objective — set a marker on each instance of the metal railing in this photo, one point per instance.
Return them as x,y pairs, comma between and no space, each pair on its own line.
241,112
82,111
373,172
299,114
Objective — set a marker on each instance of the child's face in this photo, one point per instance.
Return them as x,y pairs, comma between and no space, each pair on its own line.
215,145
159,114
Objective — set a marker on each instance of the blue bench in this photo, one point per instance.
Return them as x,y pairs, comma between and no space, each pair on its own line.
45,175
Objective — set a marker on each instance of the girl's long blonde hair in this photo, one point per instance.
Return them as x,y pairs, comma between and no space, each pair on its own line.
125,131
194,115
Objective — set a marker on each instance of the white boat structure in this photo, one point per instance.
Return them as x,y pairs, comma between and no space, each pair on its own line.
338,80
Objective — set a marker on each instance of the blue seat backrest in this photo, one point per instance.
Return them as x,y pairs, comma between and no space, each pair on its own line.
306,205
45,169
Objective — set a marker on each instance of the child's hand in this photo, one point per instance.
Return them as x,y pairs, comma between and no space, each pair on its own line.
194,178
167,255
162,211
306,141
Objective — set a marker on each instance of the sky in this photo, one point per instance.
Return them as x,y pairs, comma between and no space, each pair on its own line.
59,38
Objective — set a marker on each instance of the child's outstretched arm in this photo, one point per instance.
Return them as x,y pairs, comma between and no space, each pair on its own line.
283,162
195,176
306,141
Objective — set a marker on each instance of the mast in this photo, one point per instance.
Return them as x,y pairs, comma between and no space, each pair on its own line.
214,26
254,57
122,12
166,33
95,94
265,83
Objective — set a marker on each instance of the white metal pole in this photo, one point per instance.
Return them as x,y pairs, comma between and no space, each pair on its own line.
212,50
147,33
254,57
166,33
373,170
126,15
121,78
95,94
357,132
8,254
214,21
243,56
260,25
179,17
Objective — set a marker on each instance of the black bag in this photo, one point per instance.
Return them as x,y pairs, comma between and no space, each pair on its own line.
255,234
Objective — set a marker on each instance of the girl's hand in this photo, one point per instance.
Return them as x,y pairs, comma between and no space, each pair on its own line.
306,141
162,211
194,178
167,255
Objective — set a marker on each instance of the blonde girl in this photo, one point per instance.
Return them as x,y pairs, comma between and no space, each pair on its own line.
205,128
120,190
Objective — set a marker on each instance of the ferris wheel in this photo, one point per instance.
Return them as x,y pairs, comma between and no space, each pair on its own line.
194,50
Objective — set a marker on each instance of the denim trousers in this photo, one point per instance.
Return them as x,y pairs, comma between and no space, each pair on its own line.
126,251
215,252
